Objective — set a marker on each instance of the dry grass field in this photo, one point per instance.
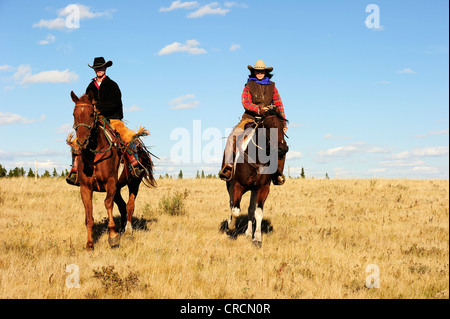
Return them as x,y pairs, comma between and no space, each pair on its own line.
324,235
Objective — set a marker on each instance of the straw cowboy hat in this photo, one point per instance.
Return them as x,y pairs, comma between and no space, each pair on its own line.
260,65
100,63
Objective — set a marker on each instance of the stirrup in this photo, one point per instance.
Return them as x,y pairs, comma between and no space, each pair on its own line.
72,179
137,171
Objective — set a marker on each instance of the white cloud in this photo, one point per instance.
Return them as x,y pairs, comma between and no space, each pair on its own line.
65,128
430,151
378,150
235,4
442,132
295,125
190,47
6,68
235,47
209,9
180,5
133,108
49,39
426,170
422,152
58,23
212,8
343,150
11,118
67,14
183,102
401,163
406,71
23,75
293,155
330,136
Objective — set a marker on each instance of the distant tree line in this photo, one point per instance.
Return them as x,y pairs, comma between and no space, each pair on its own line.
20,172
180,175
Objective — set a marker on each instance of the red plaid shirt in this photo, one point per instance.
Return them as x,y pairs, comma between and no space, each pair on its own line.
249,106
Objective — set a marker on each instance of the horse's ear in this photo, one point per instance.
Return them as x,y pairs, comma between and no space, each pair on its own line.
74,97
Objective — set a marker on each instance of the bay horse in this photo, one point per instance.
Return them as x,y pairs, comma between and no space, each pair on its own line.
253,172
98,168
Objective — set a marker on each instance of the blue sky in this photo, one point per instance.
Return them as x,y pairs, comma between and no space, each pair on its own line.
362,100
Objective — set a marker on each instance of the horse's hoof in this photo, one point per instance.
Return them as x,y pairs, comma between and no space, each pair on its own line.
128,235
128,232
232,234
257,244
113,242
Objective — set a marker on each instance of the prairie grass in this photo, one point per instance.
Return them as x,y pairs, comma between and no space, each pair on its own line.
324,235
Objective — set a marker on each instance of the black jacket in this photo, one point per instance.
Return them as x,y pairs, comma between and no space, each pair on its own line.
108,97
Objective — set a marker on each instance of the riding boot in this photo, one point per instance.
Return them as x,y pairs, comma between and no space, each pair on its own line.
278,178
132,158
72,178
226,171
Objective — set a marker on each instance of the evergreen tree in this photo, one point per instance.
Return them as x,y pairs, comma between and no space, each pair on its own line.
203,174
46,174
198,175
326,176
30,173
16,172
302,174
180,174
3,171
55,173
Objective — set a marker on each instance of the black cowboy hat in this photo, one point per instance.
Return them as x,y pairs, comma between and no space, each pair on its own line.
100,63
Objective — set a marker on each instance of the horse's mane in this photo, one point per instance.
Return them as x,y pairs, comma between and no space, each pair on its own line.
85,99
275,112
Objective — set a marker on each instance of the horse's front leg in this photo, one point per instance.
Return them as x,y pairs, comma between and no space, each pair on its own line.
261,197
113,239
235,204
133,190
86,196
251,215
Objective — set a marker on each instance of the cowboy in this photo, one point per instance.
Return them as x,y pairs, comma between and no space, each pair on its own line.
108,100
259,94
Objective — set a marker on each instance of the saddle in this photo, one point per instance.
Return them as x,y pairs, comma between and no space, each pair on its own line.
113,138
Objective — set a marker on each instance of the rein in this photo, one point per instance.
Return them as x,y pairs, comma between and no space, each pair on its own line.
106,135
84,124
90,127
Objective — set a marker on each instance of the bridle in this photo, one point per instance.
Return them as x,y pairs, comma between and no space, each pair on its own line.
262,124
90,127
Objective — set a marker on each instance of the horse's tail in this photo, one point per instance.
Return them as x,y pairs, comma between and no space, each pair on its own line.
145,160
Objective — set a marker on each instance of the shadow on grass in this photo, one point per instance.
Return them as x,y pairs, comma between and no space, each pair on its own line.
101,227
241,226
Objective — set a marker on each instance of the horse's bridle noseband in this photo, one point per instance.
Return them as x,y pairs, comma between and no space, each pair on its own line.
75,127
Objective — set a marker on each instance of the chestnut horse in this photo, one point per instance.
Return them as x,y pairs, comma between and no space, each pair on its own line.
98,168
253,172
